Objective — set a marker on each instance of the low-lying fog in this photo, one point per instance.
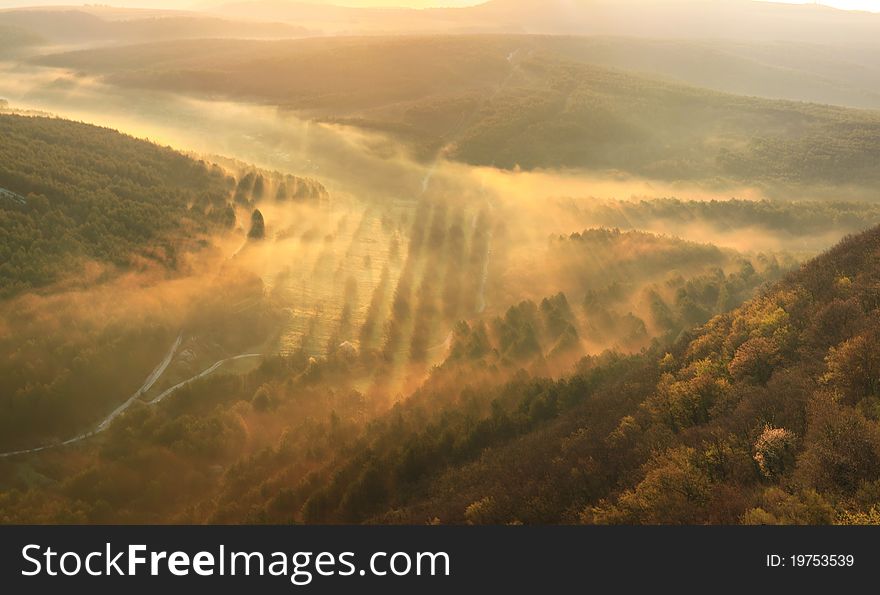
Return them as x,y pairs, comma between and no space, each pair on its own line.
359,164
375,188
400,249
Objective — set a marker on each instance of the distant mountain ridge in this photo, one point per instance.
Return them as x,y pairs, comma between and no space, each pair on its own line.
70,25
694,19
514,100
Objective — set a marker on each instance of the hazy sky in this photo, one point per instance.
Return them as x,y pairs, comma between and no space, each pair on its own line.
873,5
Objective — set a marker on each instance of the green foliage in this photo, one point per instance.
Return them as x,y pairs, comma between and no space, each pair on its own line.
94,194
675,490
763,413
780,508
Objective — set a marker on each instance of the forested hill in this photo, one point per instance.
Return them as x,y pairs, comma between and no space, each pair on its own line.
768,414
92,193
14,39
510,101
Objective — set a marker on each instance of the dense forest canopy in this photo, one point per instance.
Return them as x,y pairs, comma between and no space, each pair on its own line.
401,277
91,194
314,409
94,194
764,415
324,437
109,247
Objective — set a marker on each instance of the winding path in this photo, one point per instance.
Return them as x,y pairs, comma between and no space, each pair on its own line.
202,374
146,386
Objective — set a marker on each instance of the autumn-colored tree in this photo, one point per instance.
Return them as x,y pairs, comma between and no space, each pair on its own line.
778,507
775,451
853,368
842,447
674,490
754,360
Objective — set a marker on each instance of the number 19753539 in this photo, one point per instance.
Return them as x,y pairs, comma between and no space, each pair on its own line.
811,560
